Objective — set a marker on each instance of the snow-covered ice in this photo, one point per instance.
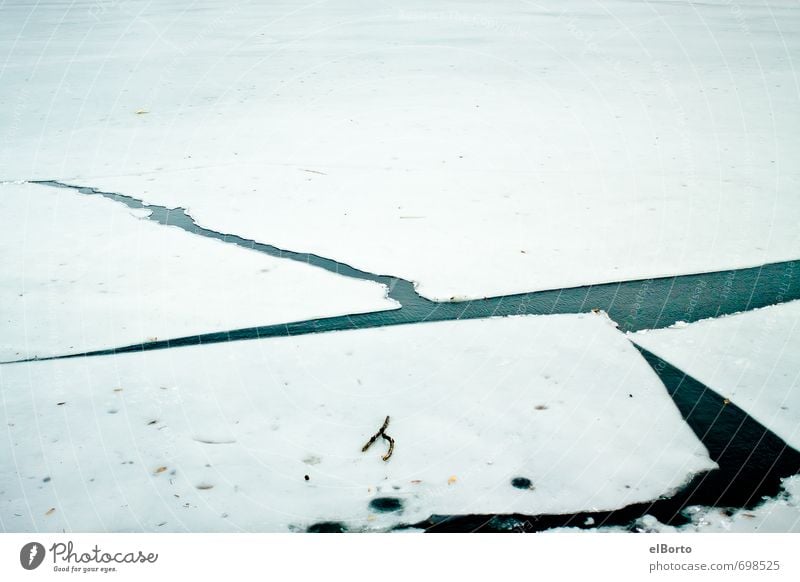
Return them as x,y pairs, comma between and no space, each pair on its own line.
82,273
478,148
221,437
750,358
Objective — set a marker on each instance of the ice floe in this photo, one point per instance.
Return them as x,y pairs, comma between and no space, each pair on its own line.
529,414
82,273
750,358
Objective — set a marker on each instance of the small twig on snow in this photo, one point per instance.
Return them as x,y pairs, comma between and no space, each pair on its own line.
381,433
391,447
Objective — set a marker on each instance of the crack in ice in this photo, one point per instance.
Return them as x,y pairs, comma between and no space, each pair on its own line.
634,305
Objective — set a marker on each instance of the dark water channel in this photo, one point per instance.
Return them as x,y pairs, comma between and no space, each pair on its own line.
751,458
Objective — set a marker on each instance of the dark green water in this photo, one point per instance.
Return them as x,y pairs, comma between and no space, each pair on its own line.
634,305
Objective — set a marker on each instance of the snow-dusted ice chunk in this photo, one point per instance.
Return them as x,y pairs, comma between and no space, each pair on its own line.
477,148
752,358
523,414
82,273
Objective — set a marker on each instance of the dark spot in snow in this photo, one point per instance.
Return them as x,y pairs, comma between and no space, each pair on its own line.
306,477
46,480
630,395
205,486
113,411
540,407
152,422
327,527
60,403
386,504
522,483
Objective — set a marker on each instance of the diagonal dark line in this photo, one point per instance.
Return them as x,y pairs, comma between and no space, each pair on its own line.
635,305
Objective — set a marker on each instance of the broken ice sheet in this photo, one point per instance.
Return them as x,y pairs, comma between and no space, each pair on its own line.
487,150
751,358
529,414
83,273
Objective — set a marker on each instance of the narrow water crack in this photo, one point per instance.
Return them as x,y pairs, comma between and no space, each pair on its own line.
634,305
398,289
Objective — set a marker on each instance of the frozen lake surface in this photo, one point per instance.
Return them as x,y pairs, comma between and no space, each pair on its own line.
528,414
556,243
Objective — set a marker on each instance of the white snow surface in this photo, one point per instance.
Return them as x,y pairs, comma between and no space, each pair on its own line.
477,148
221,437
82,273
752,358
